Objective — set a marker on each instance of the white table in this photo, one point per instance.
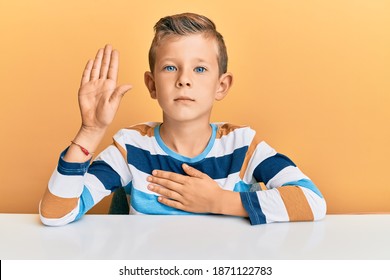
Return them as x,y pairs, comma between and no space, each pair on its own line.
94,237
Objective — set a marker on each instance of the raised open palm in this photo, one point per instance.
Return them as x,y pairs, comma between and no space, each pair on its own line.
99,96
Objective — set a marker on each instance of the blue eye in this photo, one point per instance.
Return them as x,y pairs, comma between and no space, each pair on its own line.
200,69
170,68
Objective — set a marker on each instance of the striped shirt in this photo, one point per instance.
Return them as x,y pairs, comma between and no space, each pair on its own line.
234,158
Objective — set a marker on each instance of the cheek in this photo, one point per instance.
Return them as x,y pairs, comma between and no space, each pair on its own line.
208,86
162,87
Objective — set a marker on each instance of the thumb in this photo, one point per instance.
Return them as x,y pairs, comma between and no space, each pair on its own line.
192,171
120,91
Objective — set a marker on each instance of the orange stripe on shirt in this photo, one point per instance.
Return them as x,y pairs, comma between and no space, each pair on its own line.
53,207
225,129
143,129
294,199
262,186
248,156
121,149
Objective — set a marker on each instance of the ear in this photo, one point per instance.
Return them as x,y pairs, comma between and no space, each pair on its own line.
150,84
225,82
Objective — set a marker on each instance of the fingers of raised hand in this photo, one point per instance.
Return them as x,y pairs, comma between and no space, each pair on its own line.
112,73
87,72
95,72
120,91
106,61
104,66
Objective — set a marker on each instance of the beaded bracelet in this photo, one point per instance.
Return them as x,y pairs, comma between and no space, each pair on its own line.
84,150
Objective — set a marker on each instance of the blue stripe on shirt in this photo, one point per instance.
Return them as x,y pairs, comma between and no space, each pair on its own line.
182,158
271,166
86,203
305,183
215,167
106,174
148,204
71,168
242,187
251,204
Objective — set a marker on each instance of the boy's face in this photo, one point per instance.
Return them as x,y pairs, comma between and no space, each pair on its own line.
186,78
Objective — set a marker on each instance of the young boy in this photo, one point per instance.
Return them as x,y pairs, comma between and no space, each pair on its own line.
185,164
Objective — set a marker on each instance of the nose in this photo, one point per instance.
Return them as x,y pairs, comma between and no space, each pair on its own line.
180,84
183,81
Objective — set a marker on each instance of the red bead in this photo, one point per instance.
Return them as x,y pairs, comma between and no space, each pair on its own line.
85,151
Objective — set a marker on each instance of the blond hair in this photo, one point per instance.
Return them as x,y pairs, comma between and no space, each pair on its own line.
183,25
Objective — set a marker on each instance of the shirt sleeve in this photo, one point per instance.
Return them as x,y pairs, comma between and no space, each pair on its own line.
85,183
289,195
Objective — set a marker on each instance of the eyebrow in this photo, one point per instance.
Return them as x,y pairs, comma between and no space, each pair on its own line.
198,60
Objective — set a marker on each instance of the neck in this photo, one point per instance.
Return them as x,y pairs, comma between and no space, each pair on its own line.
186,138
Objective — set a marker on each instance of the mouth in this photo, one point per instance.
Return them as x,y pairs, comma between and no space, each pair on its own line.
183,98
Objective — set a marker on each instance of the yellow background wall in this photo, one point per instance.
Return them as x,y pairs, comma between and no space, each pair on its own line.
312,77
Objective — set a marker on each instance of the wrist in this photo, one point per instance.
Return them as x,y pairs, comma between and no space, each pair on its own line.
218,206
91,132
84,144
90,136
229,203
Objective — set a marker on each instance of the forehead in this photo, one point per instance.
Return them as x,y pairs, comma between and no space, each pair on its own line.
196,46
